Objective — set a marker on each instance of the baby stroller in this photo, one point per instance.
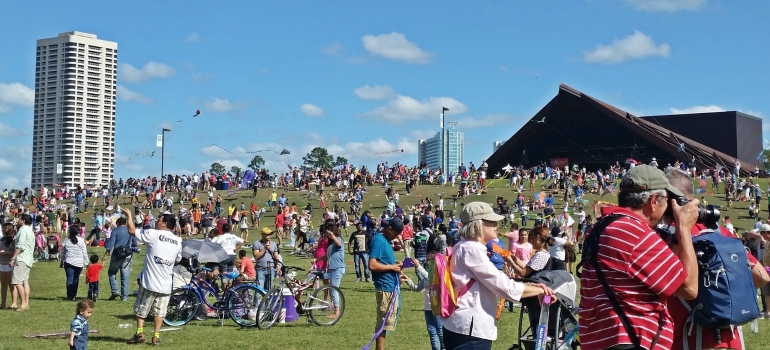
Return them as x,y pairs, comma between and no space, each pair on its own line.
562,324
53,246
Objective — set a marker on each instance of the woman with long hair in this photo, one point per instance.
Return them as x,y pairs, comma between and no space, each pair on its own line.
335,256
75,259
6,270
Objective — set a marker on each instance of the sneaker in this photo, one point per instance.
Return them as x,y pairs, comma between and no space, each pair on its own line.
367,280
358,280
155,341
113,297
137,339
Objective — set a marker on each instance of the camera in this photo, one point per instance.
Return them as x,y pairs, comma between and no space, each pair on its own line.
707,215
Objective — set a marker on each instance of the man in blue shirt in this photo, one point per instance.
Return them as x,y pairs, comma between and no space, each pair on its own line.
118,248
385,273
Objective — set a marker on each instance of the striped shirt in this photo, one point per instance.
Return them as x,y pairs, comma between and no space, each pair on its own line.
642,272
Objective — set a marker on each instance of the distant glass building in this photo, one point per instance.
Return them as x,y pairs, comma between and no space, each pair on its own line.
430,150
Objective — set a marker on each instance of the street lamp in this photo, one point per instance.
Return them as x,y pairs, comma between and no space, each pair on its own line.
162,151
445,143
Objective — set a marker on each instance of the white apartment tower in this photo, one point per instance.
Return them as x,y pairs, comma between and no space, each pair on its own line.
74,122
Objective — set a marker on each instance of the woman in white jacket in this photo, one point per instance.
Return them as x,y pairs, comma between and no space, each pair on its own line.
75,258
472,325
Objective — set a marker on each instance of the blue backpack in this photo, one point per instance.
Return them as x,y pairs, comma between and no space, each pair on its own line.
726,293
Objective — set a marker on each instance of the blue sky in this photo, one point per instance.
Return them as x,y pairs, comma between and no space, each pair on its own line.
369,77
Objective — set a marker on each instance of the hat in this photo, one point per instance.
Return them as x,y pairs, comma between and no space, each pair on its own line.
426,222
267,231
765,228
395,223
478,211
646,178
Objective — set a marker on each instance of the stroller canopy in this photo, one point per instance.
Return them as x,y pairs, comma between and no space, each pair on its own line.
562,283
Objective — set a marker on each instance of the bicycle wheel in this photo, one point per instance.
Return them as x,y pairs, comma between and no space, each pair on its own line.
269,309
183,305
242,303
321,309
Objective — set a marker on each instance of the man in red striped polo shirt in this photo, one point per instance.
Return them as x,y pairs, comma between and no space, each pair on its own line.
640,269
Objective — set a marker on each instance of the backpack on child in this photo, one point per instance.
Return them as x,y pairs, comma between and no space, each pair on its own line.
443,300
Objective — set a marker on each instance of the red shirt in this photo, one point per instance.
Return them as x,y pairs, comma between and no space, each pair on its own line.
92,272
642,272
680,314
407,233
279,220
221,222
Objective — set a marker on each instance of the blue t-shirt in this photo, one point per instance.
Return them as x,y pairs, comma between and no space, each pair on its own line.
381,250
496,258
336,255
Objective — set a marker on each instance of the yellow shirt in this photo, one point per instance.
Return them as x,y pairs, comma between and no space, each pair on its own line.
230,210
274,197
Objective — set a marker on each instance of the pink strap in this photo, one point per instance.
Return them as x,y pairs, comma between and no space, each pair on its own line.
466,288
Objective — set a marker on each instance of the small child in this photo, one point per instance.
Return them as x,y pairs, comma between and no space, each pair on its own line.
92,277
79,326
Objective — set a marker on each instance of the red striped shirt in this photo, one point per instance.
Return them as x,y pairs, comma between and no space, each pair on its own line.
642,272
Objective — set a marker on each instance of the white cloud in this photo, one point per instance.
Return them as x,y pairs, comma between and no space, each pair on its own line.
193,37
221,105
131,96
149,71
377,92
395,46
15,94
403,108
8,131
5,165
698,109
333,49
669,6
421,134
311,110
634,46
484,121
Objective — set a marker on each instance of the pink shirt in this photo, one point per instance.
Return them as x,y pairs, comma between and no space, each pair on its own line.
513,237
320,252
522,251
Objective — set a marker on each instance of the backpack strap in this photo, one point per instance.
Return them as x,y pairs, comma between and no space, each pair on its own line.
466,288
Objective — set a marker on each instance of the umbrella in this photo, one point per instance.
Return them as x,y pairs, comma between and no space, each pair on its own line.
632,161
205,251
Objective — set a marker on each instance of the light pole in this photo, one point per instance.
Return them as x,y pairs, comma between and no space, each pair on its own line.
445,143
162,151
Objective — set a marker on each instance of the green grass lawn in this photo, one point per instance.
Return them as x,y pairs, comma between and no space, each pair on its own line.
51,313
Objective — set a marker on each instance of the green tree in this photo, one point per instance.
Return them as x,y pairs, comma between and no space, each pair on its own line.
256,163
235,170
319,157
340,161
217,169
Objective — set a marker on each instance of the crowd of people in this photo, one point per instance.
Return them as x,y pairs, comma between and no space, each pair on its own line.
482,262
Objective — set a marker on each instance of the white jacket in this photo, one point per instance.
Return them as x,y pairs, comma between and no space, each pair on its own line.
476,310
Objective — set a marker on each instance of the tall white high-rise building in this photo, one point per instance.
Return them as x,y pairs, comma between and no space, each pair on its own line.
74,122
431,151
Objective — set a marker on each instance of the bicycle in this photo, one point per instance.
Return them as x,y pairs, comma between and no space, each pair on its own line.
239,302
316,307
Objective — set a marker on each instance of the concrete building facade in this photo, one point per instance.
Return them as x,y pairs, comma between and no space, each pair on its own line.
74,110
